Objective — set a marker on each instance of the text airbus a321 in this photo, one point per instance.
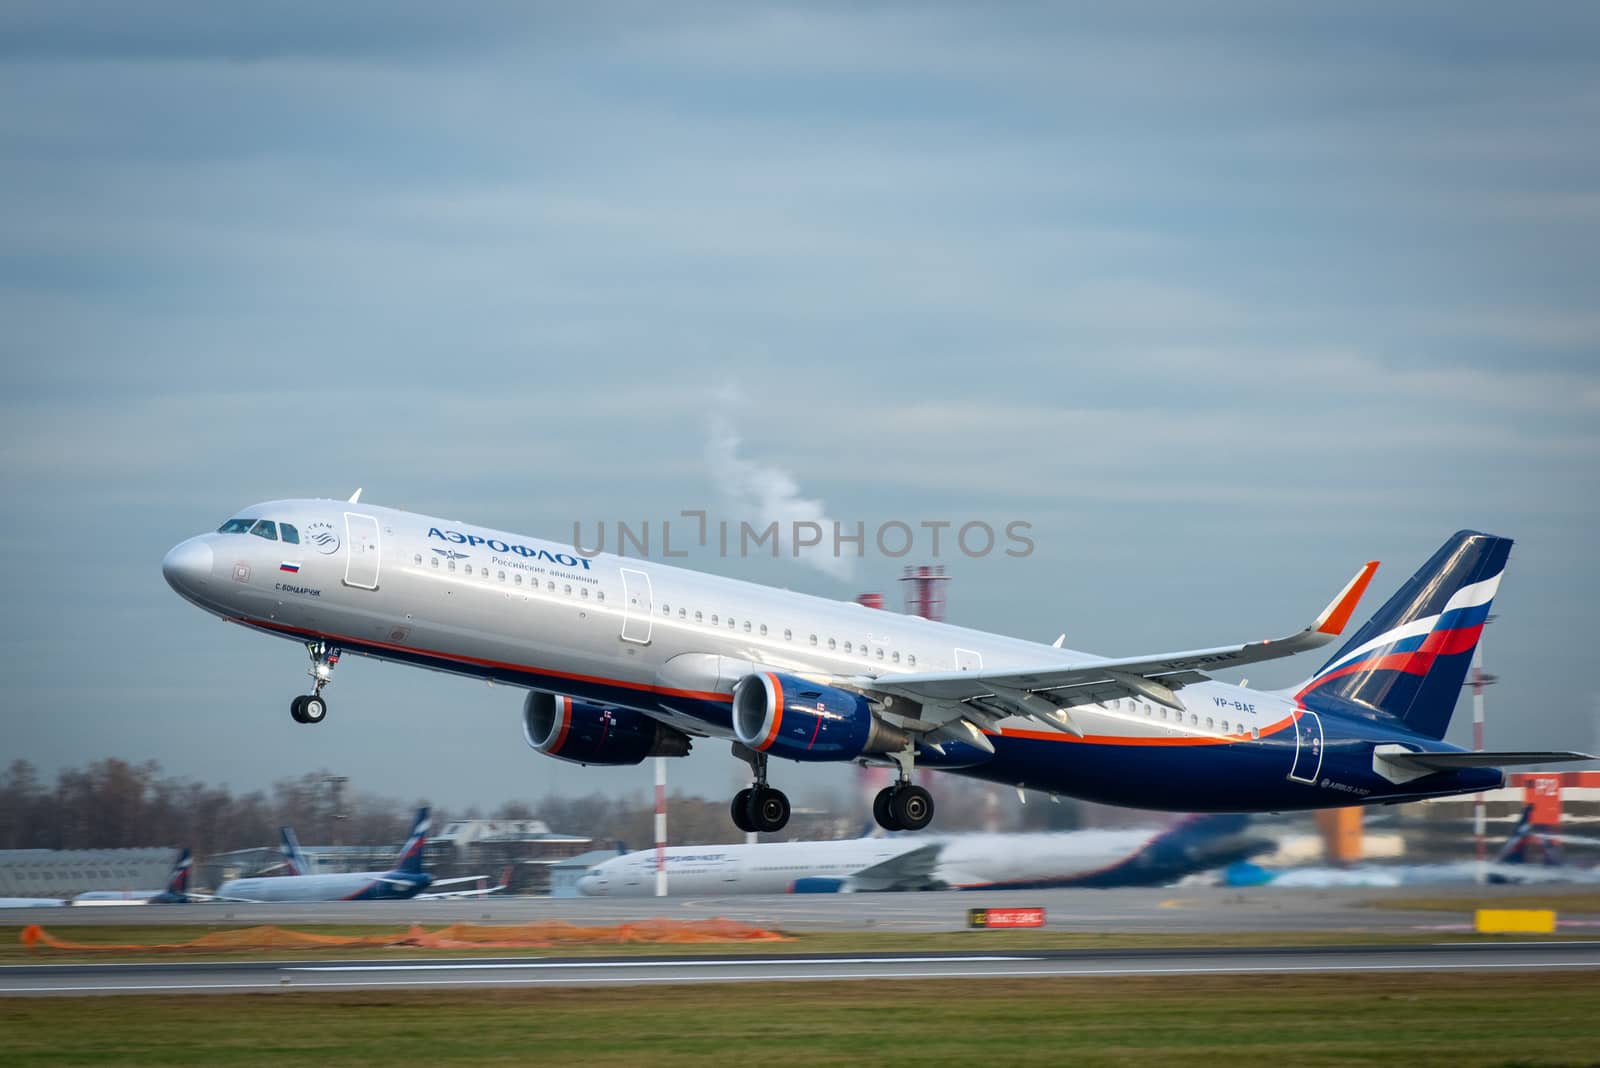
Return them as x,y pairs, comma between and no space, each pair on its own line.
624,659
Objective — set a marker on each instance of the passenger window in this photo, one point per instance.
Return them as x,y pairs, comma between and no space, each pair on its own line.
1163,713
879,653
551,586
265,528
599,595
713,619
895,656
683,613
730,622
697,616
434,561
417,559
846,646
832,644
288,533
747,627
583,591
911,659
567,589
502,576
236,526
666,609
1194,719
1255,732
1208,723
452,565
516,580
813,639
467,568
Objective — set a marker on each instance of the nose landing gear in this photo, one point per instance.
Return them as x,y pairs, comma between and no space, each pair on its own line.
311,708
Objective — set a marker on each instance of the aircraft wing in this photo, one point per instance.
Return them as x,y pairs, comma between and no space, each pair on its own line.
1047,692
911,870
505,881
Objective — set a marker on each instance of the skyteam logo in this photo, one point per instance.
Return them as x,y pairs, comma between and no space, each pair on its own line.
322,537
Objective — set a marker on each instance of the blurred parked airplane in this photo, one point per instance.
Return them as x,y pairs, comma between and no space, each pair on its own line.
627,658
1529,856
960,862
405,880
176,892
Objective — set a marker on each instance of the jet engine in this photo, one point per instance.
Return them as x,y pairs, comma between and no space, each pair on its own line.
579,733
803,720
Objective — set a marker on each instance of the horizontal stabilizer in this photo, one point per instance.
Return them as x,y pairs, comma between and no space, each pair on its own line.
1456,761
1399,764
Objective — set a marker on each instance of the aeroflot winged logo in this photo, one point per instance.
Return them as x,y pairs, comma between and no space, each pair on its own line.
496,545
321,535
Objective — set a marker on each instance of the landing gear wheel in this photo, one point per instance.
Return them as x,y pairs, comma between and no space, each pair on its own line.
313,709
297,709
769,809
911,807
883,811
741,810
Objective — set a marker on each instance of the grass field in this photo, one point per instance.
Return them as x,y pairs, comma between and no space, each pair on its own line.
13,952
1417,1019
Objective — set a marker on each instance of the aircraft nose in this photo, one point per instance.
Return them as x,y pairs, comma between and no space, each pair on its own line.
187,565
589,884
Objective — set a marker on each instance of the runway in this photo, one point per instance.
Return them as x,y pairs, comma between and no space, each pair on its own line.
523,972
1174,910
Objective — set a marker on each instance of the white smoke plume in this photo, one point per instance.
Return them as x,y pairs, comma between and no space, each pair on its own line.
761,494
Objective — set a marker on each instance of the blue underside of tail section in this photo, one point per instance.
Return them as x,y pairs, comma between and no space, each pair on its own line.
1248,776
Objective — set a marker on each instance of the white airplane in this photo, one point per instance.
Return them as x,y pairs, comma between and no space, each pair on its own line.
175,892
957,862
624,659
404,880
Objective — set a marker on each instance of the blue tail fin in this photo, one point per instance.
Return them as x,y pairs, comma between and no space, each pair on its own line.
295,861
1411,658
410,858
178,881
1523,840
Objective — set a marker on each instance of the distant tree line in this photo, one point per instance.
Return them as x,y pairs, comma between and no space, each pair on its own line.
116,804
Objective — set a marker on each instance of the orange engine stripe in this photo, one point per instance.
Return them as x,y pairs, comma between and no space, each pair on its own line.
777,712
564,703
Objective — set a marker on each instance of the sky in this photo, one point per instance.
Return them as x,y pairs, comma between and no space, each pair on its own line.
1220,306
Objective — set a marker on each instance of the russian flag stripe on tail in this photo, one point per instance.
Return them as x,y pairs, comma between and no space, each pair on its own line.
1411,657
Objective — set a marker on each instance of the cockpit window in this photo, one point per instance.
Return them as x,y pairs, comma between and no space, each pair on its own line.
265,528
288,533
236,526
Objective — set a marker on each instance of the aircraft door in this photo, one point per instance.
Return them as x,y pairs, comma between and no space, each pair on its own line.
637,604
1307,747
362,551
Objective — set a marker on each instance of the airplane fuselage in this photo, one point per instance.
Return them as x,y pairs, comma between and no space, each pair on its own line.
671,643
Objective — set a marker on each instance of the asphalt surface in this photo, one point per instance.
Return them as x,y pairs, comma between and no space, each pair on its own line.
1170,910
258,977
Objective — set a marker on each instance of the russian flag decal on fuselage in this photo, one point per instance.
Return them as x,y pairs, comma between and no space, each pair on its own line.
293,569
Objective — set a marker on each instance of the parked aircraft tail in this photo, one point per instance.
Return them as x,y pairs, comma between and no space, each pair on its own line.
1411,657
410,858
295,861
1525,840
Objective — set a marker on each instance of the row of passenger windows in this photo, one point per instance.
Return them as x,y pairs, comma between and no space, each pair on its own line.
262,528
863,649
1172,715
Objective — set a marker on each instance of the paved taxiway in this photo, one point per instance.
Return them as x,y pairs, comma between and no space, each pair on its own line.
258,977
1173,910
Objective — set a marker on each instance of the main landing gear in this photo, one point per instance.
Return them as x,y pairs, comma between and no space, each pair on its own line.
758,807
903,807
311,708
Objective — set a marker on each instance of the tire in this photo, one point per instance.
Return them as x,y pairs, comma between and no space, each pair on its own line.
740,810
769,810
912,807
883,812
297,709
313,708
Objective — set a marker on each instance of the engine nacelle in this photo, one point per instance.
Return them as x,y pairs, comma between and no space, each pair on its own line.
558,726
802,720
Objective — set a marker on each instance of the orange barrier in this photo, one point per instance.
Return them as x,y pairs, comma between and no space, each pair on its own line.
546,935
